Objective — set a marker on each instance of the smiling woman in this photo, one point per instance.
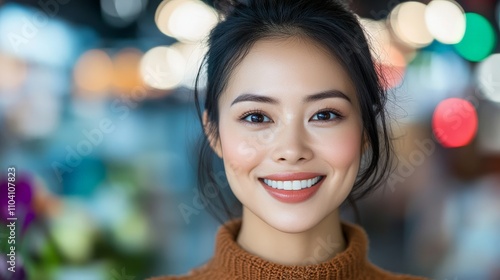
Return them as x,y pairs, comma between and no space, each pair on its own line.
295,110
312,131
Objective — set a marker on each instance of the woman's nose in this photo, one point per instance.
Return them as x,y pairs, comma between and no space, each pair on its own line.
292,145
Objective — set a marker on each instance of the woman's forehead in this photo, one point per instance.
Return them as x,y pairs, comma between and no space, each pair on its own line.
291,65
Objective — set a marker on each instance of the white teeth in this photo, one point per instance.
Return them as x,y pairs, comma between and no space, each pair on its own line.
303,184
292,185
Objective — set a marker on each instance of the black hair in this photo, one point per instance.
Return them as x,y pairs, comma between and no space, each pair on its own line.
328,23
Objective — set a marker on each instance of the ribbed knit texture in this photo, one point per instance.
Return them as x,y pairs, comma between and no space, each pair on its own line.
230,261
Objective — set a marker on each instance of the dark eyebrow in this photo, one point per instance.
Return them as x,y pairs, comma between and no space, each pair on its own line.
310,98
327,94
254,98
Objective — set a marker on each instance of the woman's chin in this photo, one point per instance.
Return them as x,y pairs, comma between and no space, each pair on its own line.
292,223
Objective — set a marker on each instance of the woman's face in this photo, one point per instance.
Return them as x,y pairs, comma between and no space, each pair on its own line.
290,113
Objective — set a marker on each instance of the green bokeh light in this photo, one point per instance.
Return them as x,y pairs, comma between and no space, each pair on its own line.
479,39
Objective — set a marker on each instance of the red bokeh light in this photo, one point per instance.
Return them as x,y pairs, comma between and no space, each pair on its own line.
454,122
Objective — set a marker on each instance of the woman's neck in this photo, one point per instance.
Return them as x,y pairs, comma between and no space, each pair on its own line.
319,244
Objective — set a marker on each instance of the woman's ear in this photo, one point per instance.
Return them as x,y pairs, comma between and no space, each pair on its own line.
216,146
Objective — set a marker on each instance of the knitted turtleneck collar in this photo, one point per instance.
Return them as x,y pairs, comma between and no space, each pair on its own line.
233,260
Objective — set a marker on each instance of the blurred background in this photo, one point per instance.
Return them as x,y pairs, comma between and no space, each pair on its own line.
97,117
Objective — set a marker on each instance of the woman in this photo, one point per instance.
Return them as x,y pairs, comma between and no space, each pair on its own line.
295,110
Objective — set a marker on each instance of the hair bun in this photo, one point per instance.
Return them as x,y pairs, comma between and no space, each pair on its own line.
226,7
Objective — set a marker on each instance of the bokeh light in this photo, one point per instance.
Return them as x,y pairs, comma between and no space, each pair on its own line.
37,115
407,20
73,231
12,73
454,122
479,39
93,72
193,55
488,77
122,13
185,20
126,70
29,35
378,36
162,68
131,232
445,20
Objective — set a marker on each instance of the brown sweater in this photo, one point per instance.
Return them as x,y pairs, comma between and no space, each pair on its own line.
230,262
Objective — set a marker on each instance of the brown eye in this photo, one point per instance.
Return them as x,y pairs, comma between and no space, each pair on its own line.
325,116
255,118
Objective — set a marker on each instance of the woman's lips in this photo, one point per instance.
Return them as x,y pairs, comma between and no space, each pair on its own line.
292,196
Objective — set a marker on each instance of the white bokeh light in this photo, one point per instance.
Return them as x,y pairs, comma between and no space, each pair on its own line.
445,20
162,68
407,20
185,20
488,77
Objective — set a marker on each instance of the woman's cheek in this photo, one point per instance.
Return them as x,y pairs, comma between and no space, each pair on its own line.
342,148
240,152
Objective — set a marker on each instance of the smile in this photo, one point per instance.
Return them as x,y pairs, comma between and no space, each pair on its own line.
292,191
292,185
